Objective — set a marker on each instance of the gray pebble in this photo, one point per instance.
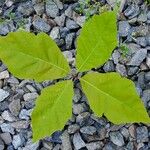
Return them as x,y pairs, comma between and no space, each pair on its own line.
132,11
31,146
18,141
3,95
132,70
147,76
55,34
148,15
4,29
26,8
52,9
60,20
8,116
24,114
124,28
66,141
4,74
141,41
71,24
94,145
41,25
109,66
148,40
121,69
73,128
142,17
39,8
79,108
138,57
83,118
142,134
117,138
6,137
69,40
30,96
7,128
77,95
78,141
146,96
90,130
14,107
1,145
20,124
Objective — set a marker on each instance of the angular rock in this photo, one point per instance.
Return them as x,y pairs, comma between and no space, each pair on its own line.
109,66
94,145
132,11
4,29
52,9
14,107
6,137
141,41
117,138
69,40
20,124
90,130
1,145
30,96
18,141
78,141
31,146
25,114
124,28
138,57
55,34
4,74
60,20
121,69
8,116
7,128
41,25
142,134
71,24
26,8
39,8
68,55
3,95
66,141
147,76
79,108
73,128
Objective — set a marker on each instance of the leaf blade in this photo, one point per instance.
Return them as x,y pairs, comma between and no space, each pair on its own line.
38,57
115,97
53,109
95,43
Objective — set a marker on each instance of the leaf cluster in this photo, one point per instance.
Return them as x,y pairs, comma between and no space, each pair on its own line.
30,56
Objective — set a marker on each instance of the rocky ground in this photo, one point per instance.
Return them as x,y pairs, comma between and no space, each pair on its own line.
63,21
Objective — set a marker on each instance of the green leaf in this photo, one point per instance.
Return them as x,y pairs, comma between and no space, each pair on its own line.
115,97
97,40
30,56
53,109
